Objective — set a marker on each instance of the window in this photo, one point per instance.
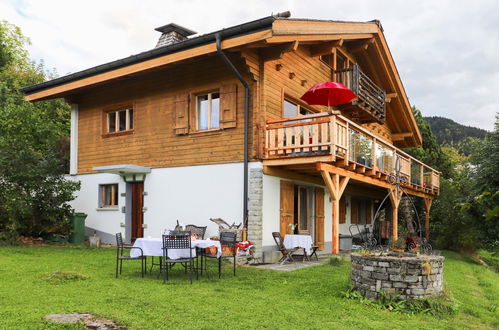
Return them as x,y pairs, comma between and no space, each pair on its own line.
108,196
303,211
208,111
120,120
328,59
292,109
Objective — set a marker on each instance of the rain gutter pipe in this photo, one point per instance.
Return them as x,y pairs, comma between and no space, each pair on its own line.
232,67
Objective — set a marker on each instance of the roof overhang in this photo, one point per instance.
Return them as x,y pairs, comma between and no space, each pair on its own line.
265,32
123,169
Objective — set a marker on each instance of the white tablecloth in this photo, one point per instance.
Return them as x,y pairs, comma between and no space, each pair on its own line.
302,241
154,247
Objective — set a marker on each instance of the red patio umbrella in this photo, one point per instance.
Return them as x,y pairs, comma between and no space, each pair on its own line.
328,93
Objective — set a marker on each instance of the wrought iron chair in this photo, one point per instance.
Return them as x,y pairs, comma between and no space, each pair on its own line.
287,254
228,240
120,247
177,240
199,231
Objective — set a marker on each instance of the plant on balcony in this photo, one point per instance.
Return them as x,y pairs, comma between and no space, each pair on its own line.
364,151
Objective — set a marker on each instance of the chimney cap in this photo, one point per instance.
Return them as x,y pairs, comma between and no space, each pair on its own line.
176,28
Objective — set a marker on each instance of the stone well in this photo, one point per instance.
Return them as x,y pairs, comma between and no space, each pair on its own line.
410,275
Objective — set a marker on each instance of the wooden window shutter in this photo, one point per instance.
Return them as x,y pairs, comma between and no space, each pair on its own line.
228,106
287,210
181,114
343,209
369,212
319,218
193,125
354,211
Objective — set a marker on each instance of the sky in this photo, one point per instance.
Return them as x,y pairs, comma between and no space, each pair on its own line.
446,51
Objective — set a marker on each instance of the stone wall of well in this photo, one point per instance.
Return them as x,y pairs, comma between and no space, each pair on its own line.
410,276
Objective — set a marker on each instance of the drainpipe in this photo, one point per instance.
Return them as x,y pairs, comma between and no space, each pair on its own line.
231,66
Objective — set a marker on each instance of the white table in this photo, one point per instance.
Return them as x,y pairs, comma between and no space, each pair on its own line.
301,241
154,247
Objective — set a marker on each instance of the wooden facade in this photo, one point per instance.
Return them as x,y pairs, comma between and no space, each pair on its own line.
353,148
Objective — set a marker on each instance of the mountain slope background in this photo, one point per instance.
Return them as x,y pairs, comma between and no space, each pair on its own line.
447,131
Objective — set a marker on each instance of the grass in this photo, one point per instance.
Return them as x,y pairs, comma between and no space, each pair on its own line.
491,258
36,281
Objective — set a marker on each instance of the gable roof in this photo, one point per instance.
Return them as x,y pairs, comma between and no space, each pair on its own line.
265,32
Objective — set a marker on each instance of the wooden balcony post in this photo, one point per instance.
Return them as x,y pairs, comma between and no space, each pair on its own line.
347,151
421,175
332,135
395,201
427,206
336,185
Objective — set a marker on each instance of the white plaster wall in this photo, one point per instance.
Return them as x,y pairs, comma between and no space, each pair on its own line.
193,195
271,211
87,201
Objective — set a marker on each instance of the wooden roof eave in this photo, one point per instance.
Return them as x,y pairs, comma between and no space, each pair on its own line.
70,87
399,88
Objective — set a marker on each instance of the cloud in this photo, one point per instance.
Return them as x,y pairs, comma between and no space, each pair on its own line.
445,51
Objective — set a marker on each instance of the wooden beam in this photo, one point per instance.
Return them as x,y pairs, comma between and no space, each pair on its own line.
427,202
296,160
395,200
390,96
342,186
325,48
282,173
292,26
352,175
332,186
317,37
363,46
276,52
401,136
58,91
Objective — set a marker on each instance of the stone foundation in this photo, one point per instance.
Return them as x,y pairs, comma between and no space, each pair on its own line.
406,274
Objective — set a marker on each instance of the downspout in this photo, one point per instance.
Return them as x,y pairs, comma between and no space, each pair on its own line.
231,66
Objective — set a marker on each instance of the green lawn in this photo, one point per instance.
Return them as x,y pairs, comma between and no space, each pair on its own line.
255,298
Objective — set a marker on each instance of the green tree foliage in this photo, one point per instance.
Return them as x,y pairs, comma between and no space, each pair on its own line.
430,152
33,192
466,213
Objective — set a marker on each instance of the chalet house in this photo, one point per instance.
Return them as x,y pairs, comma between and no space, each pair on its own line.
212,126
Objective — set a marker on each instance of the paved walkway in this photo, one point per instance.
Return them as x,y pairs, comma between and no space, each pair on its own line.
298,264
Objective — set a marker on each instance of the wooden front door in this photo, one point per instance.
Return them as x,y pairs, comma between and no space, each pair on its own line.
137,212
319,218
287,210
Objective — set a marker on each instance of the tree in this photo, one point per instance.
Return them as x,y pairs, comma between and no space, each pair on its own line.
34,194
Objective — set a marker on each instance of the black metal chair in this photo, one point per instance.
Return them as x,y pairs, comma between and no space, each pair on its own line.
199,231
120,247
227,240
314,252
177,240
287,254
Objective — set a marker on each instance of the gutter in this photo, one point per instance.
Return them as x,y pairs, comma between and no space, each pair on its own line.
231,66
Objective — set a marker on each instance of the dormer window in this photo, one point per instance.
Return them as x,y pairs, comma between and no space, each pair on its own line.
120,120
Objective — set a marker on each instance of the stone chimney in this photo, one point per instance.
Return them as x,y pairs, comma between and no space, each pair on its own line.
172,33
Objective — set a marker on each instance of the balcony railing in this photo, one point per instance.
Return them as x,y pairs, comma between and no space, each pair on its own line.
370,98
327,134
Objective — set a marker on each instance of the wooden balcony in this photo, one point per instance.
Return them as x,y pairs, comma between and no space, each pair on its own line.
371,100
332,138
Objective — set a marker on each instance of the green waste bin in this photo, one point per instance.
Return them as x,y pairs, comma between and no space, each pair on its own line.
78,228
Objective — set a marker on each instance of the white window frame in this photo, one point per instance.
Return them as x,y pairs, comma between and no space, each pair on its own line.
117,120
210,94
